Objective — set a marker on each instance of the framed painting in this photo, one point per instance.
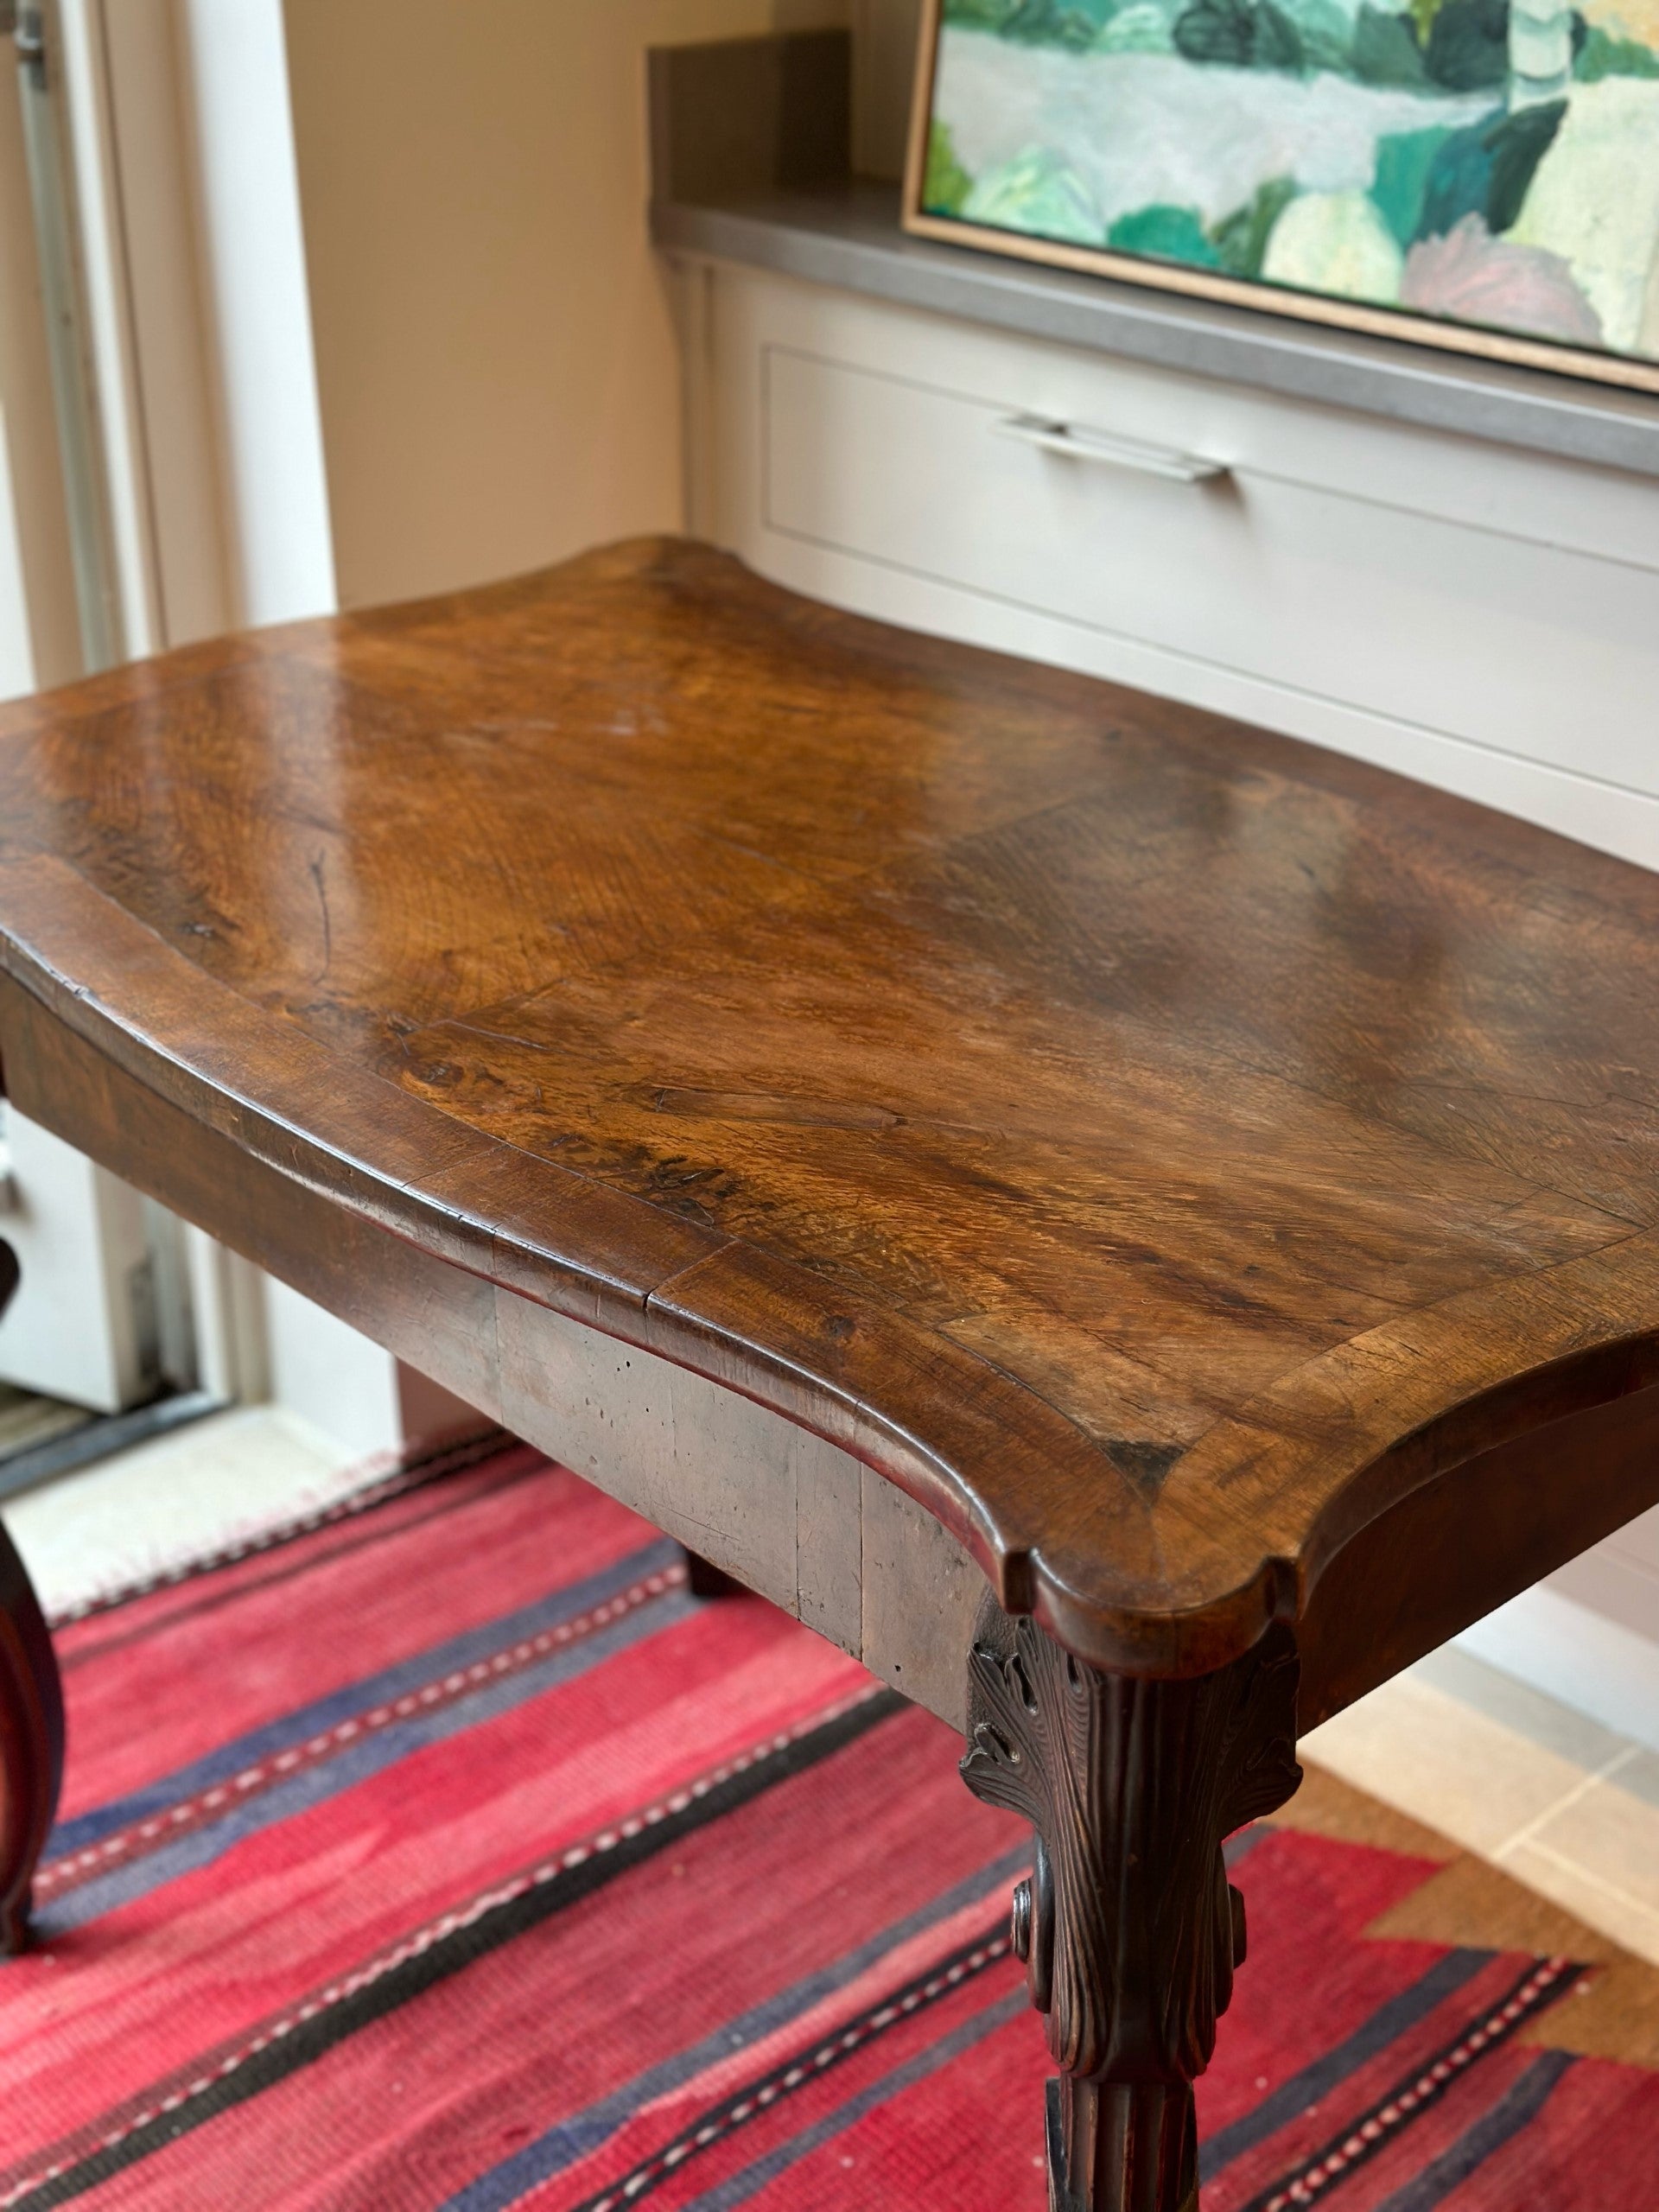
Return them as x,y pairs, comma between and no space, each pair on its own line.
1482,175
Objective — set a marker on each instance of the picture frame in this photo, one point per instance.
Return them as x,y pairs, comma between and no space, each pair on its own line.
925,217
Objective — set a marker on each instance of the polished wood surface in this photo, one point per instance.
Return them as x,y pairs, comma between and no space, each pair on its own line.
1170,1153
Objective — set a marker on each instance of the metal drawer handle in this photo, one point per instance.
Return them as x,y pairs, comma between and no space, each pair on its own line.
1116,452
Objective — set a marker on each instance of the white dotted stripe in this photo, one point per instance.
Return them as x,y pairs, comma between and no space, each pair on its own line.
450,1923
79,1866
377,1486
766,2093
1317,2178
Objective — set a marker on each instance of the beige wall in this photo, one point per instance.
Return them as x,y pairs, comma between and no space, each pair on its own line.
495,353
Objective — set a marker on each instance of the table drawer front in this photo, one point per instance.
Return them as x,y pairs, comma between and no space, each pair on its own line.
1530,647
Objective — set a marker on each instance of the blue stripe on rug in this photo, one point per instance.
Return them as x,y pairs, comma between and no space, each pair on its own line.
583,2134
1238,1847
1315,2080
227,1760
369,1755
1514,2112
753,2178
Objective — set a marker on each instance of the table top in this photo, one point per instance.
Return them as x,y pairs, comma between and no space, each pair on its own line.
1159,1146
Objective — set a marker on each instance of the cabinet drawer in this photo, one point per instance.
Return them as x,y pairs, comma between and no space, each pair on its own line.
1524,643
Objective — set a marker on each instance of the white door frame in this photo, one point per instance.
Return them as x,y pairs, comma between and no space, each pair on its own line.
198,314
199,335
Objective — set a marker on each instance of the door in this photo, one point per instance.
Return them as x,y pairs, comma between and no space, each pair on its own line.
97,1297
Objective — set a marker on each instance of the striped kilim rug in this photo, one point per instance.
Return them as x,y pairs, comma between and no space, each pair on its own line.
451,1853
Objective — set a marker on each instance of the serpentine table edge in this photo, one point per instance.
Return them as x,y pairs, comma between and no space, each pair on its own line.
1131,1632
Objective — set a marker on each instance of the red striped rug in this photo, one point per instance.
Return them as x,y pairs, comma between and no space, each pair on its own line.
452,1855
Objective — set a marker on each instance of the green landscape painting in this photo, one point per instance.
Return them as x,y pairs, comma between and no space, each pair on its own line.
1491,163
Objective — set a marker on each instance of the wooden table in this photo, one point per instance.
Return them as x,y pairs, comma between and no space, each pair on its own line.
1103,1213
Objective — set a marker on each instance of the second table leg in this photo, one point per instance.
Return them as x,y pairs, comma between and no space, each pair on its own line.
1129,1926
31,1722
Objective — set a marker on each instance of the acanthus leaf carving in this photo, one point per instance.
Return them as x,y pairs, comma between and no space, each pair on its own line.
1129,1927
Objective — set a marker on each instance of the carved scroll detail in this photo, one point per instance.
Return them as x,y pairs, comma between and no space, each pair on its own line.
1129,1926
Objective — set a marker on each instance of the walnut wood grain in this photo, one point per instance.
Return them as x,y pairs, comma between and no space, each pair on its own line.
772,1505
1162,1150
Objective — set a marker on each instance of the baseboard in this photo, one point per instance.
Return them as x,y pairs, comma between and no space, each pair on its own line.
1576,1655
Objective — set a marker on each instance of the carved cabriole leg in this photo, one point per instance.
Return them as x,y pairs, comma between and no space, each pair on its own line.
31,1745
31,1723
1129,1926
